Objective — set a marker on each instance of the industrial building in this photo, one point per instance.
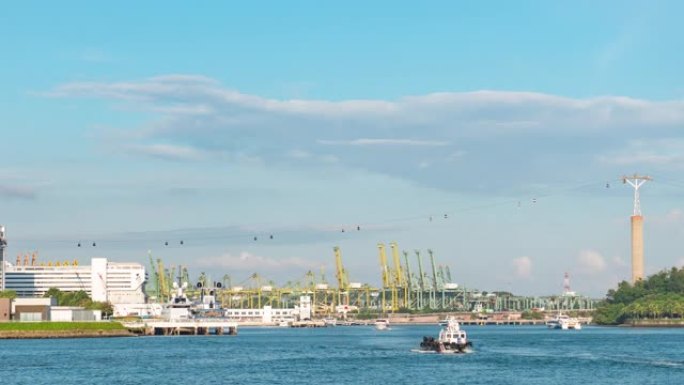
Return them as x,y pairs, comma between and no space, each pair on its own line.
104,281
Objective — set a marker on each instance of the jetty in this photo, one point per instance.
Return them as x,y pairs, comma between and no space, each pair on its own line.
187,327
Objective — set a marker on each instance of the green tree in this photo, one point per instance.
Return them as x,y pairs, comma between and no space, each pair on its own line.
11,294
105,307
661,294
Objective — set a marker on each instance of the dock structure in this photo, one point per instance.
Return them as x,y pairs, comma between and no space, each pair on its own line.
483,322
308,324
189,327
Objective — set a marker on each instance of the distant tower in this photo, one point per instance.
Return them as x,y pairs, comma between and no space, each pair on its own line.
566,284
637,181
3,246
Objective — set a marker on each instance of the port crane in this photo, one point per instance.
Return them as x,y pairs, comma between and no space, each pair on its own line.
421,281
435,288
154,275
409,281
342,278
399,279
386,282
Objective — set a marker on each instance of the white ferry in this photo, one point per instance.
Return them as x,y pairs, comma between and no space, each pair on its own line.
451,339
564,322
382,324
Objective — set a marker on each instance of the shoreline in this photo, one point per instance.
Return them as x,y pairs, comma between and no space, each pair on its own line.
656,324
56,334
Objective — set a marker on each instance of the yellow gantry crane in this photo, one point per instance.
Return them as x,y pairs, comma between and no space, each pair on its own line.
386,281
342,278
399,277
164,290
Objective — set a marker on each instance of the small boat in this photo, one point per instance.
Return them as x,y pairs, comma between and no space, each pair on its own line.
382,324
330,321
451,339
564,322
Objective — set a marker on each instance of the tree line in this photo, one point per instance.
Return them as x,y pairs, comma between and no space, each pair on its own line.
660,296
78,298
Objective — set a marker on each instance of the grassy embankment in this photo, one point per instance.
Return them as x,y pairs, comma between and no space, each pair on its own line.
62,329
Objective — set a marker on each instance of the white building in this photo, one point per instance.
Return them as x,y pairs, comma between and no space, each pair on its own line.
103,280
74,313
269,315
143,310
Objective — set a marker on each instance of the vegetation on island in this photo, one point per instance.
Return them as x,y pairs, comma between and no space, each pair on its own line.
11,294
532,315
656,299
60,326
79,298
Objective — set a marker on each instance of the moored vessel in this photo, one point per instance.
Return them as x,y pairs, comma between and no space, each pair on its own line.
330,321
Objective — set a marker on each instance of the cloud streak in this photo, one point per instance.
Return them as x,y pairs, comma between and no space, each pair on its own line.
168,151
384,142
17,192
416,137
246,261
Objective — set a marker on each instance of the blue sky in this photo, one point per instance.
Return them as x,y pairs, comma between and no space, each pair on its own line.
135,124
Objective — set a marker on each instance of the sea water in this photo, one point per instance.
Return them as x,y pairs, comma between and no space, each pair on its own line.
354,355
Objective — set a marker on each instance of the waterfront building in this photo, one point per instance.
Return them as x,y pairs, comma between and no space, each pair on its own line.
268,314
104,281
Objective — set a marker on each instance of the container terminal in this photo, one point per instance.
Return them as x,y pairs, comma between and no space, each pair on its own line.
410,283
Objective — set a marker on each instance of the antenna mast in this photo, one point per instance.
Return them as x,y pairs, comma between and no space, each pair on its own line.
636,181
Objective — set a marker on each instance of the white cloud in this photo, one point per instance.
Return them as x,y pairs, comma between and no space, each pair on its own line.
299,154
656,152
435,112
455,156
249,262
675,216
591,262
512,132
17,192
329,159
523,267
384,142
167,151
95,56
619,262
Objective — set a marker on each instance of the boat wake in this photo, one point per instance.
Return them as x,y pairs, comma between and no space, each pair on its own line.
593,357
450,352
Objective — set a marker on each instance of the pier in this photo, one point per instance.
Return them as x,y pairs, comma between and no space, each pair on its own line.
190,327
502,322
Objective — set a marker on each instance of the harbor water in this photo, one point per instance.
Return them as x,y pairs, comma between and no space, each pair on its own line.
354,355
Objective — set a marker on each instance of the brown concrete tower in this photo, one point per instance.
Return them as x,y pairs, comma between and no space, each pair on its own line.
637,181
3,245
637,248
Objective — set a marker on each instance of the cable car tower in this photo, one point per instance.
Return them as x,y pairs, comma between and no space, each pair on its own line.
637,181
3,245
